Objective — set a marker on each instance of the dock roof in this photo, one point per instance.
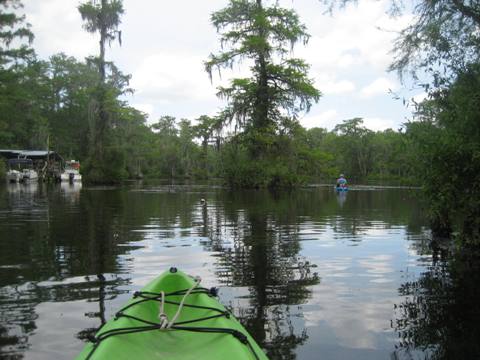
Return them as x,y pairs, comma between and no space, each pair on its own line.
30,154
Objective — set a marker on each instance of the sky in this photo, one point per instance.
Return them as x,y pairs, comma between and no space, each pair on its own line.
164,45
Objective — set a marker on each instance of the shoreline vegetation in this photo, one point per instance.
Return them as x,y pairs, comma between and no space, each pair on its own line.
75,107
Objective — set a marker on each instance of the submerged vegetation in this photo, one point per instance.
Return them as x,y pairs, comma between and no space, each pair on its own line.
76,108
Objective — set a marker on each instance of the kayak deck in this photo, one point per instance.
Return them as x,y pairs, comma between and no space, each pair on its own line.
201,329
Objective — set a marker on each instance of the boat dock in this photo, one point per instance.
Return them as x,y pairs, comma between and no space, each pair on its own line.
39,165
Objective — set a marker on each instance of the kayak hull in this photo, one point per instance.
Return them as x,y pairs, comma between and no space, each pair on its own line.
143,311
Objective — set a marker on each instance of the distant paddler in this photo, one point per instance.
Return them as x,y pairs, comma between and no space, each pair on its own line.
341,184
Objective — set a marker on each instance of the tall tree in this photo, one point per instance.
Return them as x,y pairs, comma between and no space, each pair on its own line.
15,40
205,128
12,29
444,43
102,16
71,84
279,86
355,147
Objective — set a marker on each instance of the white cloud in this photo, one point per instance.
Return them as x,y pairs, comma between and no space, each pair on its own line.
420,97
341,87
354,325
60,23
146,108
327,119
329,86
380,86
359,35
380,124
158,77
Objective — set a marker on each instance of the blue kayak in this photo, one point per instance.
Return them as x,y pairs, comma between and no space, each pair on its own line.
341,188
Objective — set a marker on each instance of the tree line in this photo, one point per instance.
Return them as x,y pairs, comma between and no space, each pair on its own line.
75,107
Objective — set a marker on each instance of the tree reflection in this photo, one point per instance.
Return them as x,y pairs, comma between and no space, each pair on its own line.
76,247
57,256
440,315
258,246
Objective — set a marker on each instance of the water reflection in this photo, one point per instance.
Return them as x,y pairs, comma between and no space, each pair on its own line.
306,273
48,254
341,197
439,315
261,252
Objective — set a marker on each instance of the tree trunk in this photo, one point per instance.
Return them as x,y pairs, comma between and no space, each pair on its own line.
261,103
103,116
260,115
103,37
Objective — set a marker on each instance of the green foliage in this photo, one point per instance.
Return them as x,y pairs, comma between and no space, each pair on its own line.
24,106
240,171
3,170
355,146
448,145
73,108
71,86
428,319
13,31
262,34
442,45
208,129
109,171
104,17
290,161
19,102
266,104
443,40
101,16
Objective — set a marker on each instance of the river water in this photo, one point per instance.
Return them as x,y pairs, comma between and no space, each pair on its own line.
311,274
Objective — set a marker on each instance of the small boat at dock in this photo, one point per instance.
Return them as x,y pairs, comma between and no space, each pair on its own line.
21,170
71,172
29,175
14,176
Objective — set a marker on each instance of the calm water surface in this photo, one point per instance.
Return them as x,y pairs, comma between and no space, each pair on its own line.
311,274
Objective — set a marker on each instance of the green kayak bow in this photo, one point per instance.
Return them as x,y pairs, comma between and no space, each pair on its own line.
172,317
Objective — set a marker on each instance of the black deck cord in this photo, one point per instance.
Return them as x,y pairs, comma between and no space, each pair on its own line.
157,297
178,323
124,331
131,330
172,303
237,334
154,326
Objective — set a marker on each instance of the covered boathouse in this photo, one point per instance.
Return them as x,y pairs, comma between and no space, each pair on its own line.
48,164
